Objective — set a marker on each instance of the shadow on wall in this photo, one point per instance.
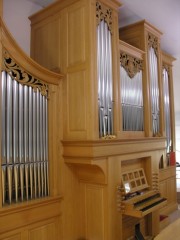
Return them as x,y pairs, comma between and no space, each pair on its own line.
177,129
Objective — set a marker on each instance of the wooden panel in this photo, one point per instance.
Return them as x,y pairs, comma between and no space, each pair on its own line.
128,227
38,210
167,173
45,232
76,35
55,134
76,101
167,188
95,212
46,56
16,237
171,186
163,188
1,8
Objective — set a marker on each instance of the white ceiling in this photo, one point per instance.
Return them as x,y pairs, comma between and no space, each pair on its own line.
42,3
164,14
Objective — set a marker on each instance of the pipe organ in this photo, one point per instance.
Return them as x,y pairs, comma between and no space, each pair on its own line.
154,84
114,119
108,127
167,77
24,138
104,70
25,105
131,93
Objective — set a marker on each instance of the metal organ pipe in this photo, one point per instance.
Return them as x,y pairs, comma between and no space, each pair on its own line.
3,135
154,86
35,142
167,108
30,139
21,141
24,139
105,89
15,138
132,101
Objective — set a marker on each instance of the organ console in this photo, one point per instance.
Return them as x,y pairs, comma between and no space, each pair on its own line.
135,196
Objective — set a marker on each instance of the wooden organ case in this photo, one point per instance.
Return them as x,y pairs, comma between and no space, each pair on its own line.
27,209
113,132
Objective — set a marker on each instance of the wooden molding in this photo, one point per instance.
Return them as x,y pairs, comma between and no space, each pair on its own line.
28,64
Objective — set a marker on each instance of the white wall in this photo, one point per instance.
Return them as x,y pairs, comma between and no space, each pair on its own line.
176,82
15,15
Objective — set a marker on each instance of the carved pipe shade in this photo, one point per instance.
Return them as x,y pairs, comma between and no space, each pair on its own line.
23,77
131,64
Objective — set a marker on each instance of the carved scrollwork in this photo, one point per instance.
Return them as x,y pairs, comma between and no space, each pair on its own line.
153,42
22,76
131,64
166,67
104,13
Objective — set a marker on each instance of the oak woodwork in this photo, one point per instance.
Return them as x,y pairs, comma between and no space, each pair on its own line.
167,185
1,8
76,30
139,35
41,218
90,169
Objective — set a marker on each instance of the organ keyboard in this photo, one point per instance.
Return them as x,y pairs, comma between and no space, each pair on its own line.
135,196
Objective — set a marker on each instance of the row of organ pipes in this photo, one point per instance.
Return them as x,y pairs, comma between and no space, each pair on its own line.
105,88
167,108
154,86
131,98
131,90
24,149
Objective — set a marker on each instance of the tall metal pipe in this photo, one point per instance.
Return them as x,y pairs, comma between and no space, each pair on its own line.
4,180
104,69
34,141
15,122
153,65
30,126
24,123
21,125
3,118
132,100
22,181
167,109
38,126
46,129
9,120
31,179
26,167
16,181
10,182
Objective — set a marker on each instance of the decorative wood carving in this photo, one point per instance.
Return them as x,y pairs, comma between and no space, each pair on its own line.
20,75
167,67
131,64
153,42
104,13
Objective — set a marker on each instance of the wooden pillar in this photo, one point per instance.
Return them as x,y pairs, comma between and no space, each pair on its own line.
1,8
